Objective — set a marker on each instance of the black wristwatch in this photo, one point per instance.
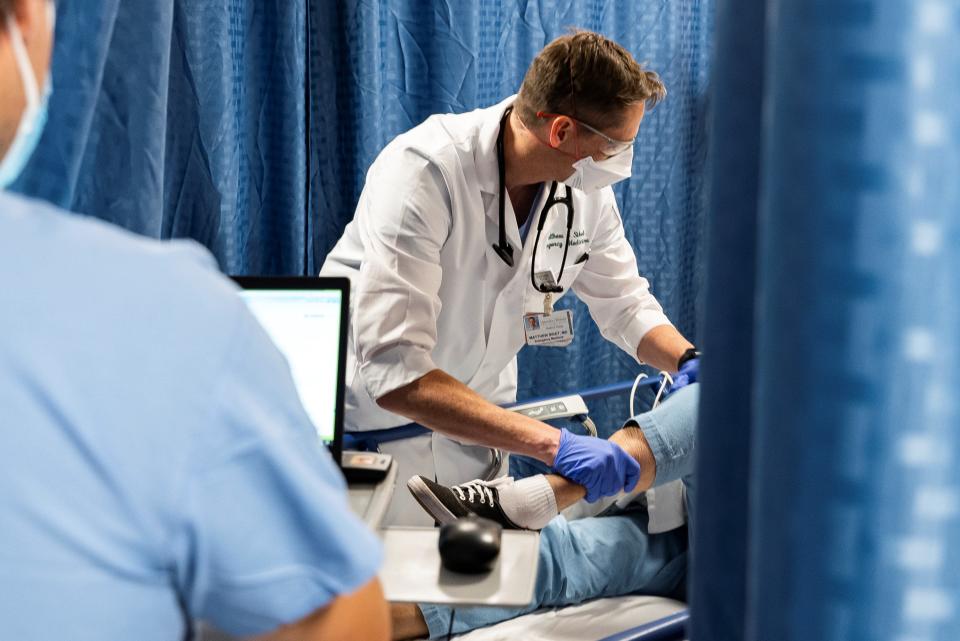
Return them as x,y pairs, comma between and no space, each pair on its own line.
688,355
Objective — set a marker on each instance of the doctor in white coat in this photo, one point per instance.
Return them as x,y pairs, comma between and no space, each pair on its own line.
468,229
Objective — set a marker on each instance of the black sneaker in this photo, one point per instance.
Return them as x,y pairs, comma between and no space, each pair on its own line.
447,504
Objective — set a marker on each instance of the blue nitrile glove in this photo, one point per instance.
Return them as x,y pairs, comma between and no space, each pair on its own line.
601,466
689,373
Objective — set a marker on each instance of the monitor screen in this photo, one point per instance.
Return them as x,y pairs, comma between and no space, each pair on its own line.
305,326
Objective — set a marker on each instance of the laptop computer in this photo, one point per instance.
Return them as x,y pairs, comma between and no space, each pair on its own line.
307,319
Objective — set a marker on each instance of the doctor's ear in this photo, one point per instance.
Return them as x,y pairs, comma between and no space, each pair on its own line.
560,131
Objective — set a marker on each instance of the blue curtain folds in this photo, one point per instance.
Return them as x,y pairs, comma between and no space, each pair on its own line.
718,585
846,527
183,119
856,506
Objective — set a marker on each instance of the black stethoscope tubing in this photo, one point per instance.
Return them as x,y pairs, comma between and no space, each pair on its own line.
503,248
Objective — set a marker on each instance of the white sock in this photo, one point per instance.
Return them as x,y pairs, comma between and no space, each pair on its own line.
529,502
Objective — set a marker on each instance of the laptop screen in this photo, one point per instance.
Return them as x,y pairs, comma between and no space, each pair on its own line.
306,325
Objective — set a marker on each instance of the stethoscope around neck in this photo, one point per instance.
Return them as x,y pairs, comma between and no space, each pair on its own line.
503,248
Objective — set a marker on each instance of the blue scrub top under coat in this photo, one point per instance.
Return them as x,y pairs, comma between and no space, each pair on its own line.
154,455
525,227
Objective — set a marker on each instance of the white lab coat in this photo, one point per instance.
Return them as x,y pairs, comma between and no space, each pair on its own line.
429,292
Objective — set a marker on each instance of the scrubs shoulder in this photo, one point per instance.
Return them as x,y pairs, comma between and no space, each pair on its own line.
157,464
430,291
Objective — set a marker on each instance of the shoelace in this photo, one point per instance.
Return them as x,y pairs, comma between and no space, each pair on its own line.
482,489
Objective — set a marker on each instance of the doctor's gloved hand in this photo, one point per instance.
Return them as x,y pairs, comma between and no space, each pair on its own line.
601,466
689,373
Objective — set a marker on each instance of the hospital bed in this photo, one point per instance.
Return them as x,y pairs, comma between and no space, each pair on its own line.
611,619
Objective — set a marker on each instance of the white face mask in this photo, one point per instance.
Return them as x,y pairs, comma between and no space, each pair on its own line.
589,175
34,117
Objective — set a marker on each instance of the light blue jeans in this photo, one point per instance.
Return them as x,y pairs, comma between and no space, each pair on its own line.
611,554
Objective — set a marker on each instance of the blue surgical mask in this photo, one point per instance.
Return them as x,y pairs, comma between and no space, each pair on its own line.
34,117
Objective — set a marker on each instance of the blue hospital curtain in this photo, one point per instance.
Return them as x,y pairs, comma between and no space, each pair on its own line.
380,67
718,583
856,502
846,525
183,119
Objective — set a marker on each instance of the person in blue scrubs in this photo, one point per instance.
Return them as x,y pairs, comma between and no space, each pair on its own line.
156,465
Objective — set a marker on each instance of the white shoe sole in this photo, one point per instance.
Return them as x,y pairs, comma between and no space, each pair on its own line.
428,501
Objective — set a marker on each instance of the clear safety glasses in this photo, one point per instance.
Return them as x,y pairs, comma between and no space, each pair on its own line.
611,146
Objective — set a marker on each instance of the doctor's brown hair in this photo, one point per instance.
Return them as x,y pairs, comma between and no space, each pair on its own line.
588,77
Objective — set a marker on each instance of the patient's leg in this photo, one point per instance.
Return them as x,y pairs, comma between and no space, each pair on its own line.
529,503
630,439
661,441
517,499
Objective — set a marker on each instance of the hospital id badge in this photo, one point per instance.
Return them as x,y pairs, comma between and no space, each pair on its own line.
549,330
